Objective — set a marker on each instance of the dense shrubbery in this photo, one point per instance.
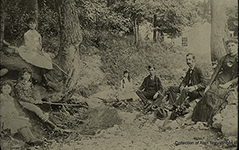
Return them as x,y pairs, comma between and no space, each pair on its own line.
101,26
15,25
121,55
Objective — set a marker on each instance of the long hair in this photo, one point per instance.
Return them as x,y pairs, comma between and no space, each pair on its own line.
128,75
4,83
28,70
31,20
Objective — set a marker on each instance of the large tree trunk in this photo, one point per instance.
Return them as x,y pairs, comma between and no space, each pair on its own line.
1,23
218,29
71,37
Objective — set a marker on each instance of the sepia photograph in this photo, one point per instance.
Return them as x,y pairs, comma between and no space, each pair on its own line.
119,75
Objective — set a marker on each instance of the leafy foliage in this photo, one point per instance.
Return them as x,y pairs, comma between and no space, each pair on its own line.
95,15
172,15
121,55
15,26
49,29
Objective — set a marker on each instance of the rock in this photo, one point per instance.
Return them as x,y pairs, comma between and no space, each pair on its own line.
103,117
127,117
232,98
217,120
113,130
229,126
230,111
227,120
172,124
159,123
15,62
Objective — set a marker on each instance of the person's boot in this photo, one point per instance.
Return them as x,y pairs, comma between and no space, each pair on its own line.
29,137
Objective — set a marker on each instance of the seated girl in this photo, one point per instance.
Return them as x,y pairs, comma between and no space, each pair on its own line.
126,88
32,51
28,97
10,118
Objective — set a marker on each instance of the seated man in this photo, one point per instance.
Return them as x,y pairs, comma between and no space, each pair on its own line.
192,86
151,88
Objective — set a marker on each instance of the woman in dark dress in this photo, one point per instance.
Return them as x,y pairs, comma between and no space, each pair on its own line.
223,79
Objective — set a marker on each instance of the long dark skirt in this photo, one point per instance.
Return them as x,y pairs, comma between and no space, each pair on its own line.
210,104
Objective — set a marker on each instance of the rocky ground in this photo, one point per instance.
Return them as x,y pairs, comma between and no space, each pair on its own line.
110,128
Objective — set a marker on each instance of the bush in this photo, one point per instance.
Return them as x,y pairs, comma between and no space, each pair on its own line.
122,55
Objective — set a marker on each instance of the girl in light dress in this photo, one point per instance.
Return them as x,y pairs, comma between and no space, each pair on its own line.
32,51
10,118
126,88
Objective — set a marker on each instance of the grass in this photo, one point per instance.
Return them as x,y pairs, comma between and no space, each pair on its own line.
121,55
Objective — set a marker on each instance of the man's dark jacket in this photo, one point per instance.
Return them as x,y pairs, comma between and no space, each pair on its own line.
198,78
145,83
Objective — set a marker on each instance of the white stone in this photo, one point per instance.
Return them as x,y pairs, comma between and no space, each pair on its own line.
217,120
230,111
172,125
230,127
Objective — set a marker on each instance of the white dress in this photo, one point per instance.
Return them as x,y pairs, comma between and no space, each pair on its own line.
127,91
9,116
31,51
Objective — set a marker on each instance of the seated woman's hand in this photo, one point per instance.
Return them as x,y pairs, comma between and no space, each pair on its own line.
155,95
226,85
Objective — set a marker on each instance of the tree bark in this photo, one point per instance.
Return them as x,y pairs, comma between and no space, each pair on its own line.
136,32
2,18
218,29
155,31
71,38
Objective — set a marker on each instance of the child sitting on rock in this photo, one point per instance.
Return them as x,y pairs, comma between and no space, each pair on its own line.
32,51
10,118
28,97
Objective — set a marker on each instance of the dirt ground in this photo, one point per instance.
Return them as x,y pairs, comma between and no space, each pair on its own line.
104,127
126,130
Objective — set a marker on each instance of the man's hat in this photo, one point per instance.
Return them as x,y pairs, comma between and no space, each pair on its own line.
161,113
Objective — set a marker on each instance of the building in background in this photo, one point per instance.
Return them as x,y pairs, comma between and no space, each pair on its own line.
195,39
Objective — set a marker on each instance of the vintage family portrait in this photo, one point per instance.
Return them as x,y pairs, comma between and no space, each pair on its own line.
119,74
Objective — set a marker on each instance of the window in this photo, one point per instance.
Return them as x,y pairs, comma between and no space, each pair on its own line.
231,33
184,41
